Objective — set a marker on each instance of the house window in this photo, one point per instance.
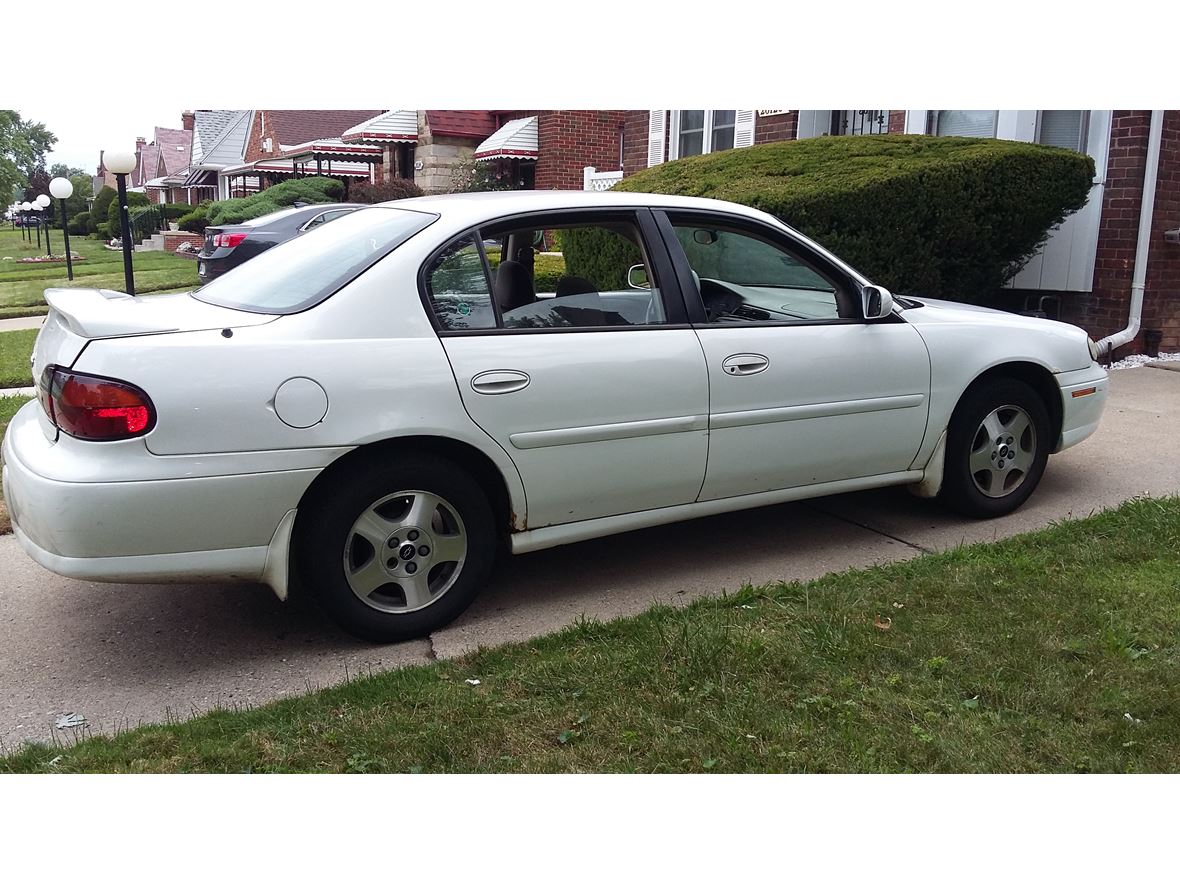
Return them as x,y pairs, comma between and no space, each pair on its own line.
970,124
1065,129
860,122
703,132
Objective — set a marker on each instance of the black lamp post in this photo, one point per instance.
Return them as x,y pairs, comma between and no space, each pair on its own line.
24,220
63,189
34,212
121,163
43,202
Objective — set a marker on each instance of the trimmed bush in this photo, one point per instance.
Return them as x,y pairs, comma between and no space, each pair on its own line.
948,217
600,256
174,211
318,189
194,221
101,231
397,189
102,202
134,199
80,223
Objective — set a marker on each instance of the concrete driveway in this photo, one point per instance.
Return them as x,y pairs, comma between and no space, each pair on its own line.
122,655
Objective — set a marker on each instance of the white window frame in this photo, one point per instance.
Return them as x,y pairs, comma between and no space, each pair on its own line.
706,137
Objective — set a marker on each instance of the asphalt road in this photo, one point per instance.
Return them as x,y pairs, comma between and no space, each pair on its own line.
121,655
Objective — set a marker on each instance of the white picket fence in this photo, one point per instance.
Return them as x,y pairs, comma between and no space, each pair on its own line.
593,180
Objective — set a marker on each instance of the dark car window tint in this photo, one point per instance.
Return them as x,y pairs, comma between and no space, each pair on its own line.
303,271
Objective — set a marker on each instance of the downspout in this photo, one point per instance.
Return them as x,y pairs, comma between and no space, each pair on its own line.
1146,211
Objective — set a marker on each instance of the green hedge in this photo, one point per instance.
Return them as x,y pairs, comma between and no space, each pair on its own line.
80,223
102,202
196,220
318,189
134,199
952,217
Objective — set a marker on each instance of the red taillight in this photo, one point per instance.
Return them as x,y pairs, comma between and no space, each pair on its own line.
228,241
89,407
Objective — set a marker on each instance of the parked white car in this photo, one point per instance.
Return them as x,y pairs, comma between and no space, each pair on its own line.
373,410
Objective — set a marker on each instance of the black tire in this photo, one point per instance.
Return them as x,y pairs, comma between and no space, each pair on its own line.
961,488
325,537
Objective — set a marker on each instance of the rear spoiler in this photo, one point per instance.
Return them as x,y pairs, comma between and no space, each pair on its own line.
103,313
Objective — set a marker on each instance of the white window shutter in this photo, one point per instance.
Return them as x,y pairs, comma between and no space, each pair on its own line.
743,129
657,128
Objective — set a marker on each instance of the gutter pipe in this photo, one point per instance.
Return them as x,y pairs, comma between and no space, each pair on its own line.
1146,211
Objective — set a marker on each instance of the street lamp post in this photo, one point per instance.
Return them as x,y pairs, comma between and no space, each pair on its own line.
121,163
44,202
24,219
63,189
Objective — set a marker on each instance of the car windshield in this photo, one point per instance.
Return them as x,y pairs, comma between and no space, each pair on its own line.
302,272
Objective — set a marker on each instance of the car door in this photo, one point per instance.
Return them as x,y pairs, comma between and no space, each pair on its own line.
803,390
596,389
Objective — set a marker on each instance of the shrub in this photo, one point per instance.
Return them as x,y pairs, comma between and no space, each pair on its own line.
600,256
396,189
102,202
174,211
133,199
80,223
318,189
101,231
194,221
955,217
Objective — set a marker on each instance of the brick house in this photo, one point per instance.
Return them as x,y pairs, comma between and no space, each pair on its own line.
281,144
1083,274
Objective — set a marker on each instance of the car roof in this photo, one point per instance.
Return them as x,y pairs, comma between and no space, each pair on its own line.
478,207
293,211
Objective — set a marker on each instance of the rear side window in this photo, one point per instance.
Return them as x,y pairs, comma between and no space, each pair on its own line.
302,272
457,284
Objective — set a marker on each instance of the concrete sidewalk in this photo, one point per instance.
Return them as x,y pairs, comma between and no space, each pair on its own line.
121,655
21,323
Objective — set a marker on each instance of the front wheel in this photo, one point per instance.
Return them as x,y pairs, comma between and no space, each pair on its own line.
997,448
399,550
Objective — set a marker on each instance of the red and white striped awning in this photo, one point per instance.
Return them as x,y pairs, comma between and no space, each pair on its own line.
333,147
334,168
516,139
387,128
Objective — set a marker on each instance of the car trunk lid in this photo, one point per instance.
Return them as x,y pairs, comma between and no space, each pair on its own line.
78,316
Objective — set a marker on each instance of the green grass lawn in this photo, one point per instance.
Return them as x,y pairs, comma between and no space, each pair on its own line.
22,285
1055,651
15,349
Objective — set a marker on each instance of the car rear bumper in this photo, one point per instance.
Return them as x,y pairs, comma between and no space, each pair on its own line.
1083,397
214,528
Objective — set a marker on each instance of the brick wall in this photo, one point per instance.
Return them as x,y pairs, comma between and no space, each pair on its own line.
896,121
173,239
635,125
781,127
1104,311
571,140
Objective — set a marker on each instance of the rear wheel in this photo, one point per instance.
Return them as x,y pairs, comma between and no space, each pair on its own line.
997,448
398,550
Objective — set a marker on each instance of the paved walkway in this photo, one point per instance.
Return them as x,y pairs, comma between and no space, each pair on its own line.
121,655
21,323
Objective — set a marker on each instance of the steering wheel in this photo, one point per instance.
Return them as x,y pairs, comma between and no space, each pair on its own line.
719,299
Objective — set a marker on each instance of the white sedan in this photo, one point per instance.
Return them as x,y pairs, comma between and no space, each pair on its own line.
371,412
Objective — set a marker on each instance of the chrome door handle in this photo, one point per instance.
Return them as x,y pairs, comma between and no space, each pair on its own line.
744,364
499,381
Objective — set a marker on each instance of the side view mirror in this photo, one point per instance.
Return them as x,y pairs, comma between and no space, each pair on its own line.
878,302
637,277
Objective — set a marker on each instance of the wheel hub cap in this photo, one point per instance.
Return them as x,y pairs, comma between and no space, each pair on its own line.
1003,451
405,551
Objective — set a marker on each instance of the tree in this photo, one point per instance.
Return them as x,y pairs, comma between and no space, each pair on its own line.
61,170
38,184
23,145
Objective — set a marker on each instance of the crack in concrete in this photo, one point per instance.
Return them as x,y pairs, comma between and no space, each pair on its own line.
872,529
431,654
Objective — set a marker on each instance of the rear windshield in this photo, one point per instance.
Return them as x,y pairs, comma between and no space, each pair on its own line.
303,271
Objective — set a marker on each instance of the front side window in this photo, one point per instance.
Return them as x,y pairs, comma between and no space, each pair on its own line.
704,132
303,271
545,274
969,124
743,277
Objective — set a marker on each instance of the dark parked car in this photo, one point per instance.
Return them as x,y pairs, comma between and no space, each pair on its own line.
228,245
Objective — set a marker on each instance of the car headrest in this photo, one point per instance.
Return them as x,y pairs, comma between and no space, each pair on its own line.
574,286
514,285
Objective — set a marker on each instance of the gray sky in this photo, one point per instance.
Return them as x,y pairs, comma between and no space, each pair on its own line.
85,128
